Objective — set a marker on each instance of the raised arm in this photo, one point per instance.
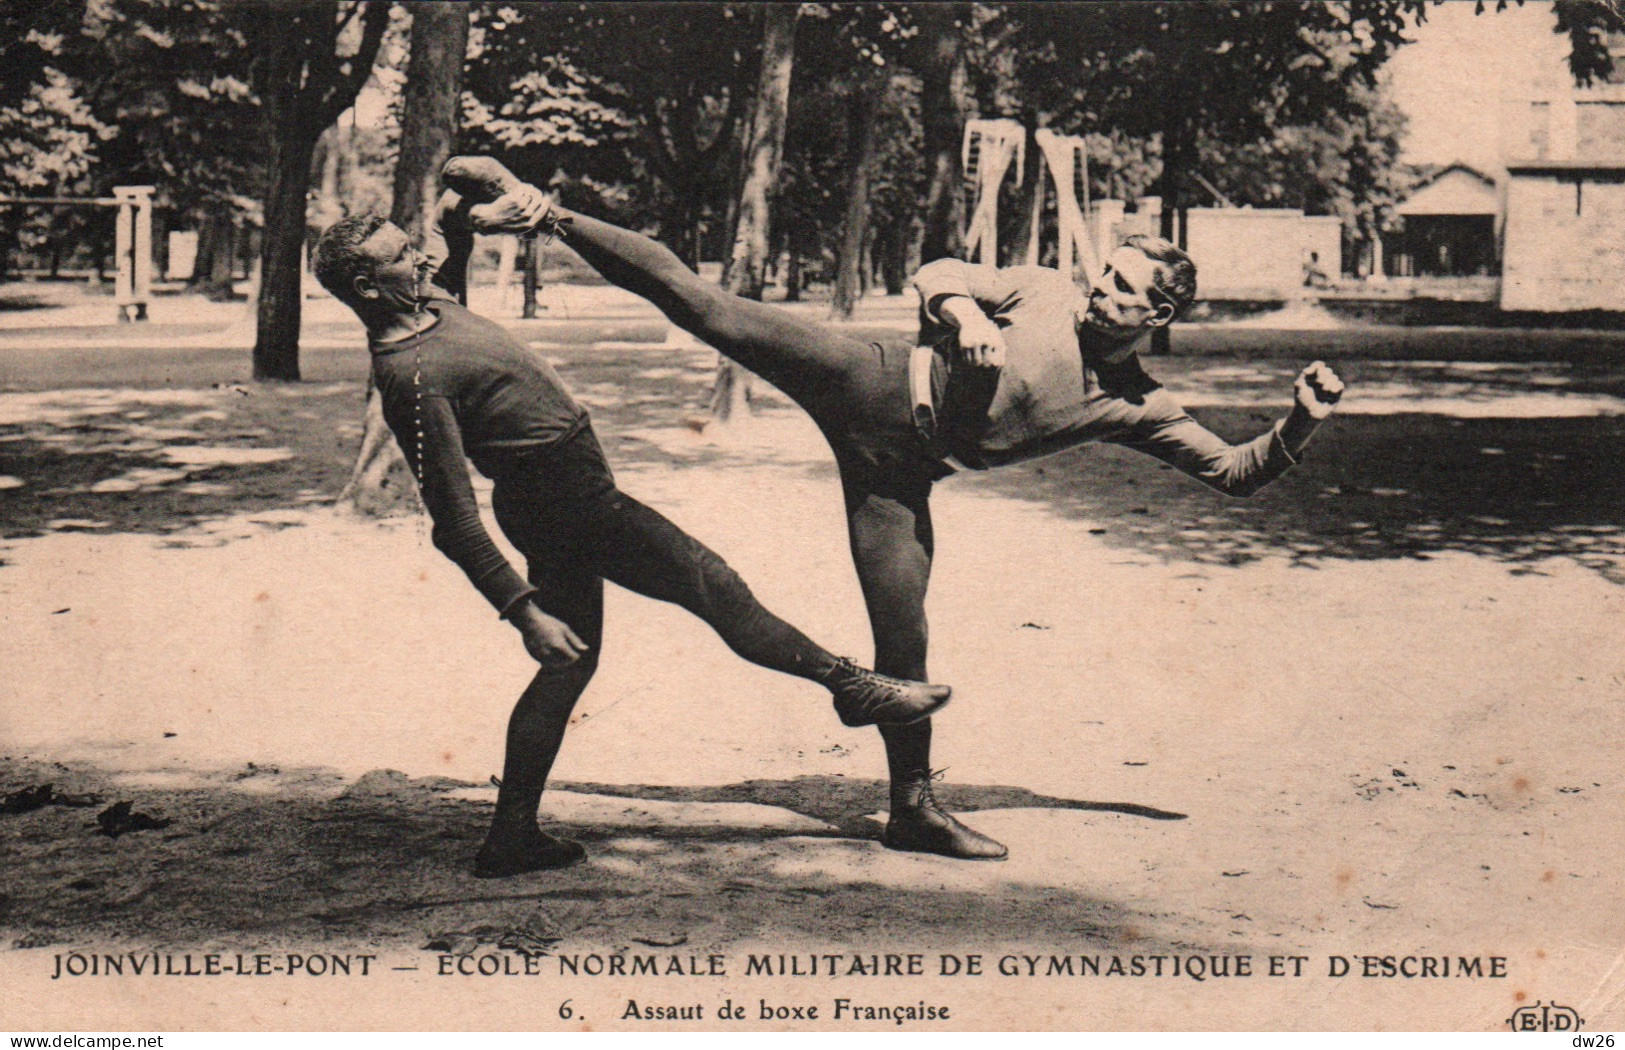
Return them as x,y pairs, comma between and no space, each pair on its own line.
448,244
962,298
1164,430
449,241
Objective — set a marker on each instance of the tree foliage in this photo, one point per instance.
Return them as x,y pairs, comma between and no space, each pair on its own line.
643,97
48,132
638,110
174,79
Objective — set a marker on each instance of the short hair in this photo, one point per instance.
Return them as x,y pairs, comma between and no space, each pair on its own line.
1175,278
338,259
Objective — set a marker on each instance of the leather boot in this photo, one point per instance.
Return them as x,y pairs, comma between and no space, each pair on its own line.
533,850
867,698
919,824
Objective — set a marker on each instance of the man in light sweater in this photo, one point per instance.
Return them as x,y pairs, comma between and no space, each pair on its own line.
1010,364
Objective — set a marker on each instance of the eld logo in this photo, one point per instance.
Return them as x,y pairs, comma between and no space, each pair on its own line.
1545,1017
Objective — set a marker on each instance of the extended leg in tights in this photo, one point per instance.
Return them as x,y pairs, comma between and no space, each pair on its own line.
892,544
636,547
806,361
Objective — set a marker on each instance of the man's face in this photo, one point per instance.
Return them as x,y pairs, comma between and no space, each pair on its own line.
1124,301
398,269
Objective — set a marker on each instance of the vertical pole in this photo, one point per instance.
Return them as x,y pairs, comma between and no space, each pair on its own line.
532,261
123,244
143,251
1065,250
1108,214
1038,215
132,243
507,255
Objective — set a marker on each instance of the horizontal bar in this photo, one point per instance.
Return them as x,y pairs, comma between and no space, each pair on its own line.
106,201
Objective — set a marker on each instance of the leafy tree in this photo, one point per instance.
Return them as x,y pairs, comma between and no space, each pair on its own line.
1346,165
1588,24
856,99
856,57
1183,74
307,77
763,148
664,86
173,79
864,101
48,134
939,58
433,90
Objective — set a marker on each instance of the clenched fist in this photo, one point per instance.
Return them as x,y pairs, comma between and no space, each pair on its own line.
981,342
1318,390
520,210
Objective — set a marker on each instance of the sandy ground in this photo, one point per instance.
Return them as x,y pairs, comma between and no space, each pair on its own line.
1377,710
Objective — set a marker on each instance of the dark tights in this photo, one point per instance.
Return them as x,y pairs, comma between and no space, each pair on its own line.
830,375
613,537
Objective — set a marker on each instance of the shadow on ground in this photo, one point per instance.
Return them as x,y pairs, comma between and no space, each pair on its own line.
1408,485
165,460
13,301
266,857
1515,462
845,802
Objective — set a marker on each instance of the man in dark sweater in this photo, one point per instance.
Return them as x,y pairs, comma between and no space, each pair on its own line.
1010,364
454,384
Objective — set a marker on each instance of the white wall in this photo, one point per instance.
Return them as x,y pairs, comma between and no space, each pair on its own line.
1558,257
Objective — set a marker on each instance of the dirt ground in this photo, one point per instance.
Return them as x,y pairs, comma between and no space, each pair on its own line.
1376,710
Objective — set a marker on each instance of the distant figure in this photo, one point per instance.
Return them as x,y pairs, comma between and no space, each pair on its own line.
1313,275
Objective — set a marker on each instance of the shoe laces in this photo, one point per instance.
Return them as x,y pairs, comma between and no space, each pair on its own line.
925,798
852,676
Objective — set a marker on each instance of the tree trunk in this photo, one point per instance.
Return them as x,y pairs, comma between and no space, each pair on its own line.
276,342
220,279
894,258
10,238
160,243
216,260
434,85
304,85
203,259
764,148
531,254
792,266
940,62
378,483
1176,149
863,148
736,187
329,200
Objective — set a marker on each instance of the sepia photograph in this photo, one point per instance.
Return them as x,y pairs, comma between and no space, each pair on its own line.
848,517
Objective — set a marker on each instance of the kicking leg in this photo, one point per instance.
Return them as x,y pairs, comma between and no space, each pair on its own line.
806,361
638,548
892,544
514,844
